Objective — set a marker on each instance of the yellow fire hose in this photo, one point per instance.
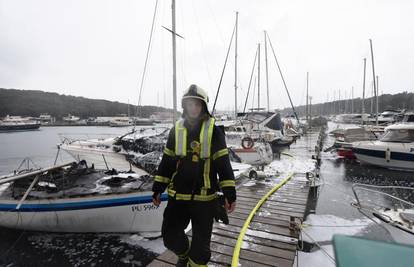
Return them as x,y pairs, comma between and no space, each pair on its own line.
236,253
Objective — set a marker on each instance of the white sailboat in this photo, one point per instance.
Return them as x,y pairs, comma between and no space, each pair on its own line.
109,153
74,198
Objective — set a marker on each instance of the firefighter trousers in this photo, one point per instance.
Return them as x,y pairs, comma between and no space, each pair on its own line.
177,216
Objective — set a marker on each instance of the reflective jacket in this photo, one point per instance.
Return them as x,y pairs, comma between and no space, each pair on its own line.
192,159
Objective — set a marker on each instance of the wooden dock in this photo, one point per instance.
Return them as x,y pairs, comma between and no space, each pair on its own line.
270,239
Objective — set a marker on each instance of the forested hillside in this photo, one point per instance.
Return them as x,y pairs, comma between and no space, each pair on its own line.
404,100
33,103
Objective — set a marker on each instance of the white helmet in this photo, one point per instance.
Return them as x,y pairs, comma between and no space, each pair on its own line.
197,92
194,91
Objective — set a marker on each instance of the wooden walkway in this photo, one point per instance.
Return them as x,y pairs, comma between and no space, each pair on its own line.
269,241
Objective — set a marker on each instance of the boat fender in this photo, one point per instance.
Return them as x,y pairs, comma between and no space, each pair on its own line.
247,142
388,154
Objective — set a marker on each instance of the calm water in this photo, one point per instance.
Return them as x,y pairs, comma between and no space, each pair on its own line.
41,145
19,248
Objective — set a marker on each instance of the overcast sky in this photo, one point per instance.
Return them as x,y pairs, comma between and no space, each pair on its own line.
97,49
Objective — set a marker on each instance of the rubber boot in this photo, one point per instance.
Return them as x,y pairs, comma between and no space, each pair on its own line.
182,262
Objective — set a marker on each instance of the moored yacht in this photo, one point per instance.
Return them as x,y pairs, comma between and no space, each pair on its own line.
259,126
394,150
70,118
387,117
17,123
121,122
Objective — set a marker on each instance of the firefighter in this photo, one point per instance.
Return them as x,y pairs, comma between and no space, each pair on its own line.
194,155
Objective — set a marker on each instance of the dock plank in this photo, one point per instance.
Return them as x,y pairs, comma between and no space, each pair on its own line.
268,241
271,203
256,240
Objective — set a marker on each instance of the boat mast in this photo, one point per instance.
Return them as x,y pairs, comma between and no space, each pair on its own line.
174,52
339,99
372,97
258,77
363,91
352,100
377,95
267,73
307,97
310,111
250,82
235,68
375,85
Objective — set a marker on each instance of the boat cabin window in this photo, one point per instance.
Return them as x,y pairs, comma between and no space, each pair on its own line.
408,118
399,135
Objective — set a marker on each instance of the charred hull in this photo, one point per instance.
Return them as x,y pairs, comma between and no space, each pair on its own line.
280,143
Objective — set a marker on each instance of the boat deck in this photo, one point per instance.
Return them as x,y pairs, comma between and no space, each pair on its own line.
79,184
271,238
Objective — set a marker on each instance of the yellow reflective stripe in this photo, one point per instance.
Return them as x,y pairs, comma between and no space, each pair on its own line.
206,135
220,153
205,153
180,139
169,152
184,141
203,144
193,264
206,174
178,196
162,179
183,197
177,138
210,135
205,198
203,191
227,183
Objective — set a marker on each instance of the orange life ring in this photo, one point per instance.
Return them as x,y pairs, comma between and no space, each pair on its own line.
247,142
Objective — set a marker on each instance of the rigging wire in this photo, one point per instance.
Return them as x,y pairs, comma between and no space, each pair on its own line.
162,60
215,22
146,58
254,90
332,259
202,43
182,48
224,68
250,81
283,79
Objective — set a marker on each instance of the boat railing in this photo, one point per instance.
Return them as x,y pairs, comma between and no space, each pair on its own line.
73,138
375,197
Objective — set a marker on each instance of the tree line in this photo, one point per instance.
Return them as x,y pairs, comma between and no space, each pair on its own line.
34,102
403,101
